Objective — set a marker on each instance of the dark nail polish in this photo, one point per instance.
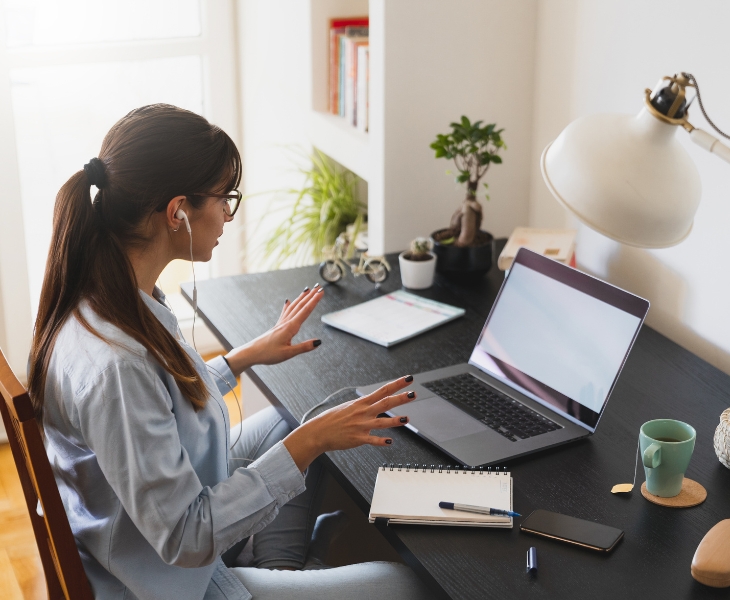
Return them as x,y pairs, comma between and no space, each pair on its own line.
316,343
286,301
409,378
316,285
404,419
306,289
411,394
388,441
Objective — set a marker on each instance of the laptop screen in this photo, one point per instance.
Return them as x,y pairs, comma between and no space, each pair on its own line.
559,336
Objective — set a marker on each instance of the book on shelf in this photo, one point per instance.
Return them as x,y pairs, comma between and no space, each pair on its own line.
362,102
348,70
339,28
558,244
352,45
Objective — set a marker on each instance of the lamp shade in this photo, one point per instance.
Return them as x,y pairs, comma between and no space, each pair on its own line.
627,177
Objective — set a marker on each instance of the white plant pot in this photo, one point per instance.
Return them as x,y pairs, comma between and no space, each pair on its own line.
417,274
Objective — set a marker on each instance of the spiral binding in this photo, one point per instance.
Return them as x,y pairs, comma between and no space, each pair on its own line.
444,468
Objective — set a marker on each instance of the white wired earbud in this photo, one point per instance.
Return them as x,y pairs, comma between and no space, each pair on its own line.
180,214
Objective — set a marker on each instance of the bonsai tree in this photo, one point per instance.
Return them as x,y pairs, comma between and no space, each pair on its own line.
473,147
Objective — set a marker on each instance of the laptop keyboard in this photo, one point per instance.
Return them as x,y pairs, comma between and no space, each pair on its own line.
498,411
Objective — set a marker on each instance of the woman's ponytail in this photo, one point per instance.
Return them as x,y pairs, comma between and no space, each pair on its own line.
68,267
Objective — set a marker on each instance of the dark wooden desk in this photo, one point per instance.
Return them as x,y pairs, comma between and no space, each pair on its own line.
660,380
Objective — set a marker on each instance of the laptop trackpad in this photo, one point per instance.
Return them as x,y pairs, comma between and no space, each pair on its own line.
439,419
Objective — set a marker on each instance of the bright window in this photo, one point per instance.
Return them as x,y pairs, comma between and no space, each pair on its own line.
55,22
69,70
56,133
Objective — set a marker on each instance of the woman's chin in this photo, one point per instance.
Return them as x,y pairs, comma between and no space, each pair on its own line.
203,258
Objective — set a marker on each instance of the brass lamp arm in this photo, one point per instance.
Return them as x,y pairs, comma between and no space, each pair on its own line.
677,113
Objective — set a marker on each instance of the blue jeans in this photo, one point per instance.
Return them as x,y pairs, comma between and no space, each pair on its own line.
285,541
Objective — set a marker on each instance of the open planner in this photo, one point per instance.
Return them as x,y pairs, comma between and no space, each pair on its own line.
411,495
392,318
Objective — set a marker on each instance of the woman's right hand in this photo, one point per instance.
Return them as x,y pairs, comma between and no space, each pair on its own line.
349,424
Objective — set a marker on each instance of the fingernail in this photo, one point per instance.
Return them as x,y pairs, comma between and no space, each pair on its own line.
409,378
306,289
316,343
286,301
320,290
411,394
316,285
404,419
388,441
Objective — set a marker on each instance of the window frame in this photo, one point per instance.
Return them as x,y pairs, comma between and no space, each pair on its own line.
218,48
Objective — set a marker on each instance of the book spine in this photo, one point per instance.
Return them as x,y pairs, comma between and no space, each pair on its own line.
350,70
334,62
341,82
363,79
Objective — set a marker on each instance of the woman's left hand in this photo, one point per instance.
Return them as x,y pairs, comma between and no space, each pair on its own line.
275,345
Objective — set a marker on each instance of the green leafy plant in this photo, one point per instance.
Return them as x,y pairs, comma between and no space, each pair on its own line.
321,211
474,148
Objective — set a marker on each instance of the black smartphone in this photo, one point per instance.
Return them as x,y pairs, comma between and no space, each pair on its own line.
571,530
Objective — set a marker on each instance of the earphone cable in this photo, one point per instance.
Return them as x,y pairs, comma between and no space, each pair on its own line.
325,402
195,287
195,312
238,403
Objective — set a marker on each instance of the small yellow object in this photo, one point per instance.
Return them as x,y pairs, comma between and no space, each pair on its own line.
622,488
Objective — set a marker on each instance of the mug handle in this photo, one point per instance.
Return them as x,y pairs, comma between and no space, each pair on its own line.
653,456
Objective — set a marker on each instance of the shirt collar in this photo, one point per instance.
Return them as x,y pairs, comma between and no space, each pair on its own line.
158,305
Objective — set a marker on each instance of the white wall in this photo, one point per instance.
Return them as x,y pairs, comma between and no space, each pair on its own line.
276,98
599,57
442,60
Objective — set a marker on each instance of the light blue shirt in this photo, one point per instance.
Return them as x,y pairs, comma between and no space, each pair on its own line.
145,479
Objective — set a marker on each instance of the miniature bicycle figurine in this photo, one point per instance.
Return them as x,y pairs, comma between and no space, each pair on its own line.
334,266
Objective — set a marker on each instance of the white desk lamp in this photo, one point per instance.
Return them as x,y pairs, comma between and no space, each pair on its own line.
628,177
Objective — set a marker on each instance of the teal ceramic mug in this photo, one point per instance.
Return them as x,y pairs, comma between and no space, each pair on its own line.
666,449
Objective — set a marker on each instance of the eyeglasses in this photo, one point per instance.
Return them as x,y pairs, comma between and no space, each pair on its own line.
233,201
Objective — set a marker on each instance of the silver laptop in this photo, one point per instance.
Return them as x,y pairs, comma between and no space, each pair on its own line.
541,372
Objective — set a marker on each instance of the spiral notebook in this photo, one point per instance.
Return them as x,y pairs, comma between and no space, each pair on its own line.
411,495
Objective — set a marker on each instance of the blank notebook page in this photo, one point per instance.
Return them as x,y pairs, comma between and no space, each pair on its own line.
413,496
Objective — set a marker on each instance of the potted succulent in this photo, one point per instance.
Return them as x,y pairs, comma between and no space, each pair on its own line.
463,249
417,265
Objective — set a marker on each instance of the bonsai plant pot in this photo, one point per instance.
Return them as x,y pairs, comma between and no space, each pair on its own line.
417,274
463,263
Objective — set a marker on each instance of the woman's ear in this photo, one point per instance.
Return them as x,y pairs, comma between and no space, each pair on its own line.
173,206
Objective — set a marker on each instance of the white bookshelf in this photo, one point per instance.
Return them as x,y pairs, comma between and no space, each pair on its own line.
430,61
338,139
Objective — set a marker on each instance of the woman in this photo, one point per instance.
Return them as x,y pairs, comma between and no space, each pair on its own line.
135,424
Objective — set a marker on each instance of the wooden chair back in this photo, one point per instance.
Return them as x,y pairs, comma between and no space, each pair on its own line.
65,576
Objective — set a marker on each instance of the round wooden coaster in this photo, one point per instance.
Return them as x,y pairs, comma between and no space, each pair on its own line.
692,494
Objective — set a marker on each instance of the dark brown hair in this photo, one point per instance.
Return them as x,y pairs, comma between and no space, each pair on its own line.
150,156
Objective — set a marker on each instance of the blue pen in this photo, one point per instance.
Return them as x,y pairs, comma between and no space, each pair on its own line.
482,510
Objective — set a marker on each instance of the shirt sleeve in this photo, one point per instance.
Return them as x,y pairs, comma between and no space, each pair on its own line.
126,418
221,374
